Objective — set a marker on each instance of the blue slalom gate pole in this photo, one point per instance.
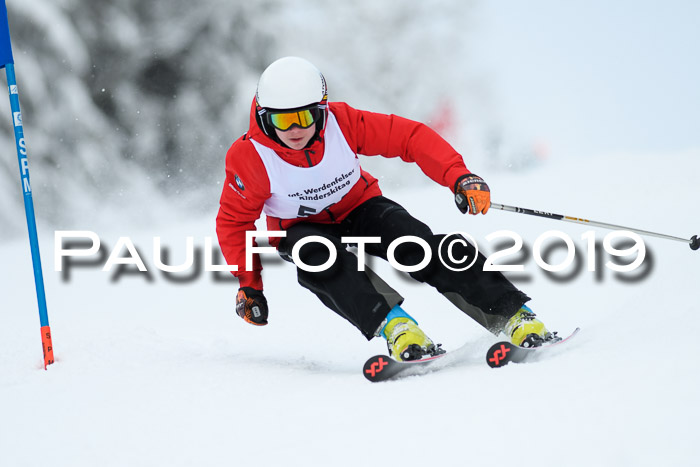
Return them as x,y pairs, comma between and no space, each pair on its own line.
7,62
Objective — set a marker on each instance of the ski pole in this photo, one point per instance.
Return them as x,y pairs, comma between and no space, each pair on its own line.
7,61
694,242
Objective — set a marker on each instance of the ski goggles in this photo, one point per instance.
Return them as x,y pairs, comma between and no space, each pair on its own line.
303,118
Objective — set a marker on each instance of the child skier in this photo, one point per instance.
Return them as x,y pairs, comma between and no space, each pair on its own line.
298,164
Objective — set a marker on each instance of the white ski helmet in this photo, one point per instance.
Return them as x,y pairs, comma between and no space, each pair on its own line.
290,83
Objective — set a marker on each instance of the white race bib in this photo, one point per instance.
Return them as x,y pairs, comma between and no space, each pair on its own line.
305,191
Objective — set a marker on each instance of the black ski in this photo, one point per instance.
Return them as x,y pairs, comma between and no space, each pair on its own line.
502,353
382,367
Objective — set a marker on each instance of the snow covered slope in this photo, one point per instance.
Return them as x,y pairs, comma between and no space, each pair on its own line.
157,373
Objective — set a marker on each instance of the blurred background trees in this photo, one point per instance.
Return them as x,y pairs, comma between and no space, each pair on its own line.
131,105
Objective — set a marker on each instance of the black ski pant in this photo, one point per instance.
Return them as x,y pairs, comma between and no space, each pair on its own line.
364,299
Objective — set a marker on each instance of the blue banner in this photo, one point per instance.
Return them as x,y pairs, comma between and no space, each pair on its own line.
5,44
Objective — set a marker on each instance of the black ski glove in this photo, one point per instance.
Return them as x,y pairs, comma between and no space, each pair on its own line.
251,305
472,194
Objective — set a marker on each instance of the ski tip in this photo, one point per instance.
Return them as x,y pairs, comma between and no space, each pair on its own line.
374,367
500,354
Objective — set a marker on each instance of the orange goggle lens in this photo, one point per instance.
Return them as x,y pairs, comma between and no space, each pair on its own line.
304,118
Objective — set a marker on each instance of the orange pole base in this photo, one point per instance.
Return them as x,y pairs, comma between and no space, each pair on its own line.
47,345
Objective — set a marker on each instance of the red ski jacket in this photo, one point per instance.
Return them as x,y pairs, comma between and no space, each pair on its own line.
247,185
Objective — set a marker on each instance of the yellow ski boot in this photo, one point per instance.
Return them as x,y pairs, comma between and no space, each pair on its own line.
525,330
405,340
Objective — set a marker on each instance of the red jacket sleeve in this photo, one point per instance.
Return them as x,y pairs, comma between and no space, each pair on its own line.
244,193
394,136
